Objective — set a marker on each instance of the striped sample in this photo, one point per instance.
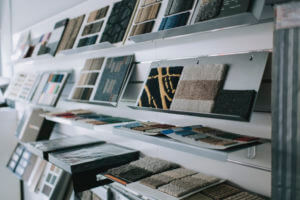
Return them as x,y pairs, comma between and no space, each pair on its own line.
198,88
176,6
70,34
286,104
92,28
160,87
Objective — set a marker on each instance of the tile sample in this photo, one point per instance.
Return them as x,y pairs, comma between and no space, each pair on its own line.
128,173
176,6
87,41
198,88
231,7
174,21
147,13
119,21
92,28
160,87
86,84
142,28
71,33
235,102
113,79
198,196
97,14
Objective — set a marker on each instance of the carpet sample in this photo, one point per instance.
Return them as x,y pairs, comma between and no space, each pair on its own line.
235,102
174,21
180,187
129,173
156,181
244,195
221,191
198,88
176,6
160,87
147,13
113,78
92,28
208,9
70,34
198,196
98,14
142,28
118,21
154,165
149,2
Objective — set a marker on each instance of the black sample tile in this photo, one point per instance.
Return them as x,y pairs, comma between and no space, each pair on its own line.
113,78
118,21
233,7
43,148
174,21
161,82
87,41
176,6
235,102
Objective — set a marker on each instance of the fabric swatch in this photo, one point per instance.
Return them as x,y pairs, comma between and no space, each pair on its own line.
174,21
176,6
221,191
97,14
244,195
149,2
198,88
71,33
182,186
160,87
154,165
129,173
87,41
113,78
235,102
179,173
147,13
93,64
156,181
142,28
198,196
208,9
118,21
92,28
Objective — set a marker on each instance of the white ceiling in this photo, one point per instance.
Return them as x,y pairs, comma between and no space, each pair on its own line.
28,12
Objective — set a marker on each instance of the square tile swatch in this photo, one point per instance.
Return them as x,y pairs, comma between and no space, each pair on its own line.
92,28
166,177
97,14
235,102
113,79
221,191
174,21
198,88
160,87
176,6
142,28
230,7
87,79
87,41
154,165
129,173
70,34
119,21
198,196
